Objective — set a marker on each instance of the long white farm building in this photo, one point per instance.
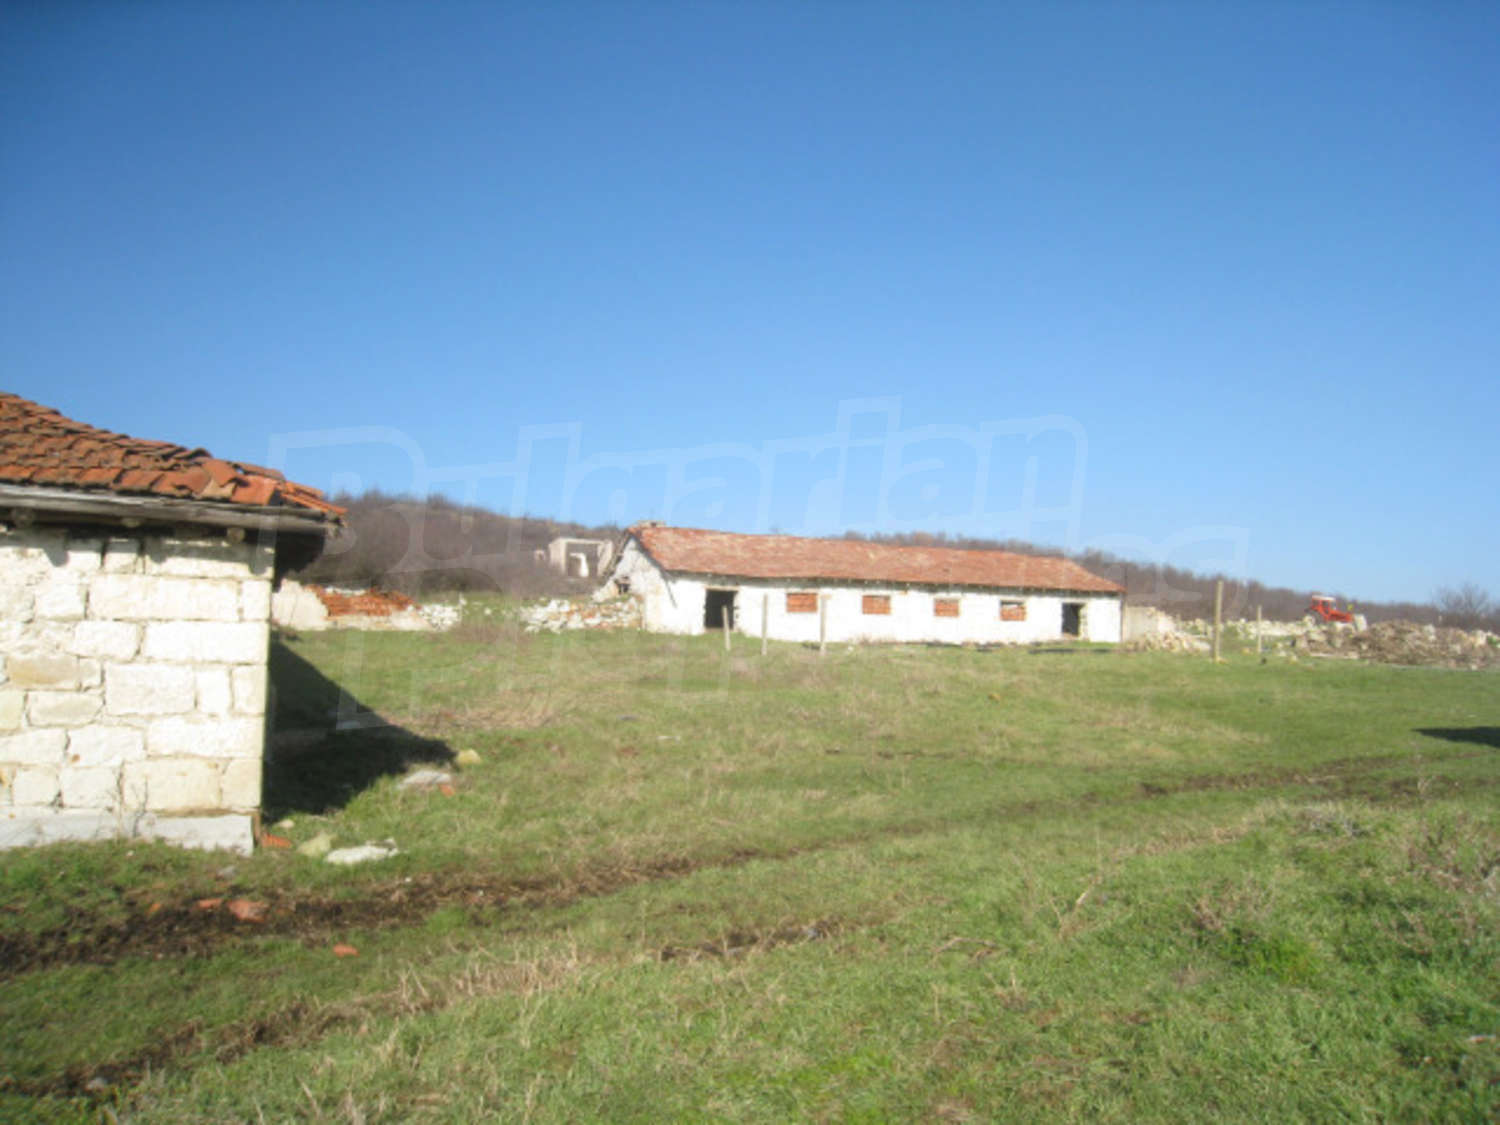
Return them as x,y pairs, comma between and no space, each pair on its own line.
840,590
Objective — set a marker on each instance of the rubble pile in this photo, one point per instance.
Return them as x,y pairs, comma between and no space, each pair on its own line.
1174,641
442,615
314,608
1404,642
361,603
1386,642
557,614
370,609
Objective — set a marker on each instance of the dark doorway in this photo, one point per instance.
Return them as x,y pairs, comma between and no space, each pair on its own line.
1072,619
718,609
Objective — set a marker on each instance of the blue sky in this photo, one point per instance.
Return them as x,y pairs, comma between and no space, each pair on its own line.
1210,284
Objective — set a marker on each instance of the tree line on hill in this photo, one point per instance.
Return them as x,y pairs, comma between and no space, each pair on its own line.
424,546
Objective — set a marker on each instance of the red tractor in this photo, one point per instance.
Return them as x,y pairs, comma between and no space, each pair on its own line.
1326,609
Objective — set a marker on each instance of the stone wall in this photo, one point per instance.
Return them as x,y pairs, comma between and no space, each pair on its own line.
132,687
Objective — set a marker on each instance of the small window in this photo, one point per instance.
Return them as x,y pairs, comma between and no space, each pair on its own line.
945,607
1012,611
878,604
801,602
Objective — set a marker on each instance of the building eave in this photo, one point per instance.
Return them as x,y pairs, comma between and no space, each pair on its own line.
41,504
814,580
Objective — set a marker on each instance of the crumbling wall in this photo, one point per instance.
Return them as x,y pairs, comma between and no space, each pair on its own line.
1386,642
132,688
313,608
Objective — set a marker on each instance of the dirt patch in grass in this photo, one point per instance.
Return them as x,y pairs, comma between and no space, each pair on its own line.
199,926
741,942
301,1023
1346,777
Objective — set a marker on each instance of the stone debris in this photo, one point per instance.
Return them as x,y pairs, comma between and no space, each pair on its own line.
426,779
317,847
1385,642
1176,641
443,615
1406,642
364,853
557,614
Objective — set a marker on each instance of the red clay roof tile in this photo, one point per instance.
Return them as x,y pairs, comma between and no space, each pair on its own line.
256,490
42,447
694,551
137,480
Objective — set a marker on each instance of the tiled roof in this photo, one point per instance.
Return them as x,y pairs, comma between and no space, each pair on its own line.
691,551
38,446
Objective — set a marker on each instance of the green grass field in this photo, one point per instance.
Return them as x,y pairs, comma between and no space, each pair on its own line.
882,884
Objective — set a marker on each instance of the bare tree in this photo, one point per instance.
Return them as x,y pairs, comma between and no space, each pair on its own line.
1466,606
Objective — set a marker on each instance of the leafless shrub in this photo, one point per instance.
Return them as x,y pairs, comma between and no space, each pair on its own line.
1467,607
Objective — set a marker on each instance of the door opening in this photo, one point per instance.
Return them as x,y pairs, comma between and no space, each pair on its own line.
718,609
1072,619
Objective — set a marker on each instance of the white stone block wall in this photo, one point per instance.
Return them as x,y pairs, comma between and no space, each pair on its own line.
674,604
294,606
132,687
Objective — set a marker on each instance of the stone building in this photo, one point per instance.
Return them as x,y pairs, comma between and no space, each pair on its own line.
838,590
577,558
135,595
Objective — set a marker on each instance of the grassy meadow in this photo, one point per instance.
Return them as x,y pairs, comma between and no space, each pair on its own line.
880,884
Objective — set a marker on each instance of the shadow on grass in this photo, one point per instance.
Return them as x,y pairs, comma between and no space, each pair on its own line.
1074,649
1484,736
325,746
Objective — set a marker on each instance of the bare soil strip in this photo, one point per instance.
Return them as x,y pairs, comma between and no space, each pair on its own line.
190,929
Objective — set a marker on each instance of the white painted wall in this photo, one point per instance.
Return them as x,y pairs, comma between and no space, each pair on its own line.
132,688
674,604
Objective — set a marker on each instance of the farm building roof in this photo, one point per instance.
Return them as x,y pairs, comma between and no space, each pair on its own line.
693,551
41,447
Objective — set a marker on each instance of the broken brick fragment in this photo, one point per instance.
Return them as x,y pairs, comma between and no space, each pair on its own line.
247,910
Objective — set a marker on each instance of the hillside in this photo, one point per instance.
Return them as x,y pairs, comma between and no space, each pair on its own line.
421,546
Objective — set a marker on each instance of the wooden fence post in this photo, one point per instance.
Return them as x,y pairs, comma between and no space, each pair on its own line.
822,623
765,621
724,619
1258,648
1218,615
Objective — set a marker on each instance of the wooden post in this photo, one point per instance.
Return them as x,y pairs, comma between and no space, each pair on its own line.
724,615
1218,615
1257,631
822,624
765,621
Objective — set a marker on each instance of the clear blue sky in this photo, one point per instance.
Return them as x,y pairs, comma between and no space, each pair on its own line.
1207,283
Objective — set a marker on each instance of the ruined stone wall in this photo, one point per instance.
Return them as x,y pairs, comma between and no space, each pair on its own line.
132,688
